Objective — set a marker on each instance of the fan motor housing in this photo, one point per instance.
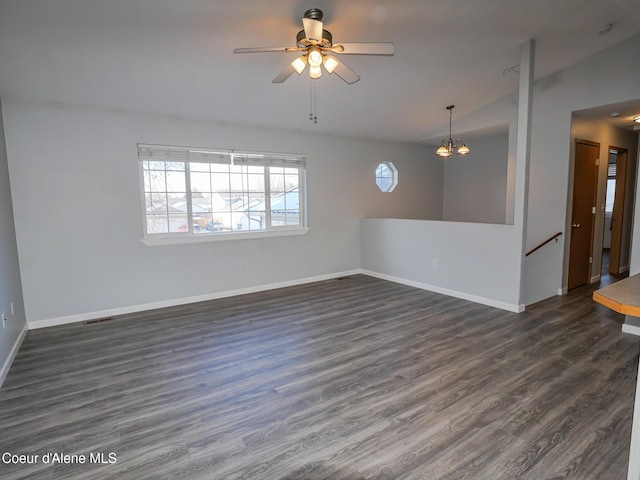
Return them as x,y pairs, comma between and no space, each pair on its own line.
303,41
314,14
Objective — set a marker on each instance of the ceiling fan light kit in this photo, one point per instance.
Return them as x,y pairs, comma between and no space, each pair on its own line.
449,146
316,47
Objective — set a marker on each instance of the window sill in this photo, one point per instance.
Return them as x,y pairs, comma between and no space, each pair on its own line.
223,237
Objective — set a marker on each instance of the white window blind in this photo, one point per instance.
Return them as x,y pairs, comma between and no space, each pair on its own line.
272,161
163,153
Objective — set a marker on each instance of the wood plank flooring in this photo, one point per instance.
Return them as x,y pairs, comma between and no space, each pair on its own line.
347,379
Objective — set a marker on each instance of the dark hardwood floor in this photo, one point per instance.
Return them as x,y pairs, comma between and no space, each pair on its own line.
347,379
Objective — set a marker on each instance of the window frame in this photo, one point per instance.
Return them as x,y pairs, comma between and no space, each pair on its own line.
265,160
394,176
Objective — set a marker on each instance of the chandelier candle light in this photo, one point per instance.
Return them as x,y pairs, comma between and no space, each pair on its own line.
448,146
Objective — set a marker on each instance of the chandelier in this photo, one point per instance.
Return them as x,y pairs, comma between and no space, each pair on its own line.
448,146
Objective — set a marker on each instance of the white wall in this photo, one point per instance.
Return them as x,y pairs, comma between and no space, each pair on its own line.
547,206
632,325
475,186
75,183
474,261
10,285
78,221
587,84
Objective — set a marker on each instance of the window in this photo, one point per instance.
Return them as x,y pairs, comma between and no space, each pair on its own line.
198,192
386,176
611,184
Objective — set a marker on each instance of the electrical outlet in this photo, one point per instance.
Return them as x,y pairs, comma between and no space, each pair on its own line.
434,264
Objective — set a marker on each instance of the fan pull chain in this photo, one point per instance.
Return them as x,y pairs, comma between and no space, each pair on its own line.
313,104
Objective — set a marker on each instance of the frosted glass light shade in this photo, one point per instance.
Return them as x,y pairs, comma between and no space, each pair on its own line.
330,63
463,150
315,58
443,151
314,72
299,63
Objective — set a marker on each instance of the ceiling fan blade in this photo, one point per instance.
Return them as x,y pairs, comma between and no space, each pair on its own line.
373,48
284,74
267,49
312,29
345,73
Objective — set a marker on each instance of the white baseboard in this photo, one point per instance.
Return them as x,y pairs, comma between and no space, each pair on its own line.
563,291
632,329
83,317
595,278
12,355
451,293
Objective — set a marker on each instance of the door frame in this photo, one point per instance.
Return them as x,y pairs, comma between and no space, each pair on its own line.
617,231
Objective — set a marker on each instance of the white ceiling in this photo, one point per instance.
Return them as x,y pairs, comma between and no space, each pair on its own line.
619,114
175,57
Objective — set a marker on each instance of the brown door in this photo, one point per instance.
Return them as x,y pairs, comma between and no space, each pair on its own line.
583,212
617,216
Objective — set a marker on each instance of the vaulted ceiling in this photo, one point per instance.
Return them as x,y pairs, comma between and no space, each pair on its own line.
176,58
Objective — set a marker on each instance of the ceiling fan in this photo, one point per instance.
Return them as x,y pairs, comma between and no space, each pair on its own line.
316,45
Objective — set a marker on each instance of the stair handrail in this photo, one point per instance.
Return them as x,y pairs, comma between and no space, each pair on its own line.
553,237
